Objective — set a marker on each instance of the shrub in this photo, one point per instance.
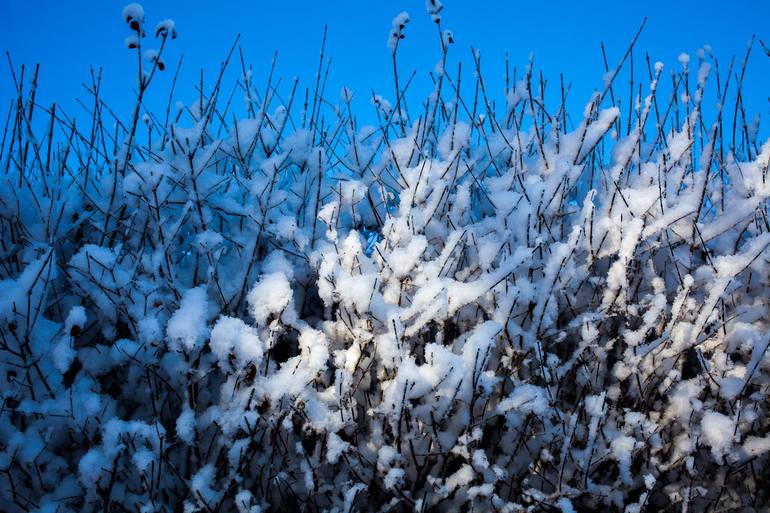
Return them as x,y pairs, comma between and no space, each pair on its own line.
461,308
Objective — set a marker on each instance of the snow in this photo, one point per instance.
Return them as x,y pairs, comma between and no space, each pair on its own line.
153,56
208,241
133,12
386,456
718,431
314,348
434,8
649,481
449,37
394,478
460,478
335,448
63,354
18,292
231,336
166,28
595,404
201,486
75,318
622,449
397,30
525,398
565,505
755,446
600,127
92,466
188,327
350,495
243,500
131,41
454,140
270,295
143,459
185,426
703,71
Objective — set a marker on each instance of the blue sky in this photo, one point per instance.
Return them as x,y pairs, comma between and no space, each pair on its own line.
68,37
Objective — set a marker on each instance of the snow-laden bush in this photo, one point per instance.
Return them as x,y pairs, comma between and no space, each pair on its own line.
461,308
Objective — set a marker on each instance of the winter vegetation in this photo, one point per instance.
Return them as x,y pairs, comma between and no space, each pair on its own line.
475,303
